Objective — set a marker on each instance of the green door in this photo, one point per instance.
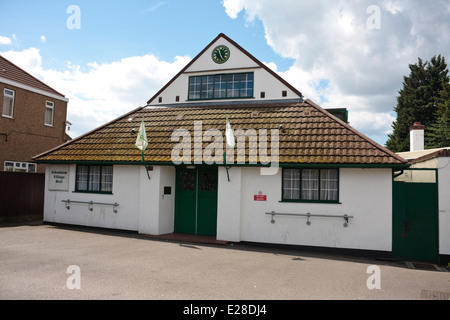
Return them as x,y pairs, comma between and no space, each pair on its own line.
415,221
185,201
196,201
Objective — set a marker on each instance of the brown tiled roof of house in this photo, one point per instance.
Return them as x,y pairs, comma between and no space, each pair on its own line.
311,135
10,71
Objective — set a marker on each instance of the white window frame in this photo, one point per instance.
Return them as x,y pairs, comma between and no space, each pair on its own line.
5,94
15,166
49,105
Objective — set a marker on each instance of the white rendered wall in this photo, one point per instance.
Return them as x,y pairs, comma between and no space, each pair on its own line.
156,210
229,205
142,206
444,204
364,193
125,193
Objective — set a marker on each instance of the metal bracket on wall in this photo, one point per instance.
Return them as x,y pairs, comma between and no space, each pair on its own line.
90,204
309,215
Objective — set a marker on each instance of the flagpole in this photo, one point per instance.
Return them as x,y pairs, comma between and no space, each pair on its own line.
226,167
228,136
143,161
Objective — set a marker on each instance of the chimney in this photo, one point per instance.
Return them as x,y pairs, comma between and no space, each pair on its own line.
417,137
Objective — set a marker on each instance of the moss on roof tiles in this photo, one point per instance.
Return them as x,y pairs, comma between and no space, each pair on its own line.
311,135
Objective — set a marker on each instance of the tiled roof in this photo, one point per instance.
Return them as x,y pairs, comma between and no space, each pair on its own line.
10,71
312,135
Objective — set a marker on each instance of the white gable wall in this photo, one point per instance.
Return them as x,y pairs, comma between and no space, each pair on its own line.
238,62
444,204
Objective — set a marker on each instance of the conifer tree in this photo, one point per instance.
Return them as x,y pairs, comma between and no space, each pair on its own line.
438,134
418,100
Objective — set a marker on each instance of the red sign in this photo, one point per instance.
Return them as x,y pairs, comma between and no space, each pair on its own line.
260,197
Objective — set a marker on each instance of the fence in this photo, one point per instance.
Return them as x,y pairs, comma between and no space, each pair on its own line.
21,195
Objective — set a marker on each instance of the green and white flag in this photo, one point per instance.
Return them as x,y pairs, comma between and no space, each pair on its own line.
229,135
141,140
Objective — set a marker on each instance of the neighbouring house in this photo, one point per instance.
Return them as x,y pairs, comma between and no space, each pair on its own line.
33,119
427,220
298,175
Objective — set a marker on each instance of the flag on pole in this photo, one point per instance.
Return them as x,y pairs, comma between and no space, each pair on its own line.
142,143
141,140
229,135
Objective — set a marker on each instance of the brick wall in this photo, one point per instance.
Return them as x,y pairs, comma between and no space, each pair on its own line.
26,135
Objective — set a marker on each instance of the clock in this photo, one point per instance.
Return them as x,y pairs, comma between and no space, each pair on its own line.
220,54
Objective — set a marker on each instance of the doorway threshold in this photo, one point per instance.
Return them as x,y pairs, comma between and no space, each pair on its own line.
191,238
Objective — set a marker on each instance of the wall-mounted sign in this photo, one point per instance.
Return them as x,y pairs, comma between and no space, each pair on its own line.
58,179
260,197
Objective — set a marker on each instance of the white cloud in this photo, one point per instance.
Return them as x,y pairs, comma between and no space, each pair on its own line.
101,92
5,40
331,43
43,39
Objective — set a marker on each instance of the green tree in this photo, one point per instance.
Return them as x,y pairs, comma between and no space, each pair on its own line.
418,100
438,134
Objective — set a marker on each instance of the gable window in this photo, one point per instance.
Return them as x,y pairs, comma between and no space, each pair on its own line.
221,86
8,103
49,112
313,185
96,179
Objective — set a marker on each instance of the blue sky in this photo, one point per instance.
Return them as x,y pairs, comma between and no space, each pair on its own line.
111,30
337,53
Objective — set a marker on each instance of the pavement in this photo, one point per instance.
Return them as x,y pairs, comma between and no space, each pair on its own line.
45,262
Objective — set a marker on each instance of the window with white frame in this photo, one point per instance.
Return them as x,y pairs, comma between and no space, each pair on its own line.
49,112
14,166
8,103
315,185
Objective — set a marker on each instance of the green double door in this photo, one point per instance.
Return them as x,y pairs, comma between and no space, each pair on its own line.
416,222
196,200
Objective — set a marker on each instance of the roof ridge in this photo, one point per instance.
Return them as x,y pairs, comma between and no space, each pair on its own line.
30,75
361,135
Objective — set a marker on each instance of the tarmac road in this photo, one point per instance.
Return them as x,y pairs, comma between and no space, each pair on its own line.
35,263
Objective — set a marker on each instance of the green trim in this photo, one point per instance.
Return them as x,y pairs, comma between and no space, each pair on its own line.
281,165
232,98
318,187
92,192
310,201
88,175
226,87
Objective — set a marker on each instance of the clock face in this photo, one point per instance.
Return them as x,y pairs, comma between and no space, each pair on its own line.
220,54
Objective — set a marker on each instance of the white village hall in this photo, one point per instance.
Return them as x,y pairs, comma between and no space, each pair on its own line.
304,177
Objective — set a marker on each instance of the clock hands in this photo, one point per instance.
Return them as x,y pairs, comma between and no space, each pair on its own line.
220,54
